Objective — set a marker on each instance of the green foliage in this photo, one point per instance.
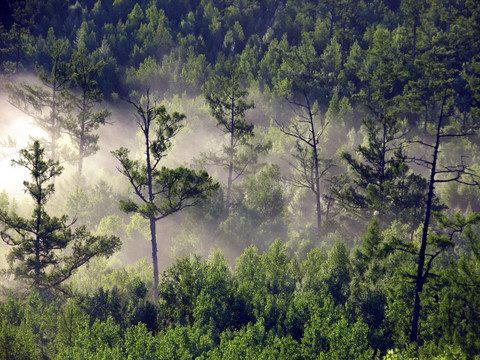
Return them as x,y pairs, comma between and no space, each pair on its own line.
228,105
329,335
410,69
381,181
82,127
46,250
259,216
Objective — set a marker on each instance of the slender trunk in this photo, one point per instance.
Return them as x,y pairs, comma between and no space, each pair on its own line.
38,211
420,278
153,230
53,130
317,172
317,193
37,244
384,155
230,166
154,258
83,119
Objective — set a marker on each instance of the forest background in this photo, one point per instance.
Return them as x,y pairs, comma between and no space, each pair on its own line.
306,172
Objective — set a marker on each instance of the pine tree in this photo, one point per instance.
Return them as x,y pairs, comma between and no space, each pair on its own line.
48,104
160,191
81,128
46,250
228,105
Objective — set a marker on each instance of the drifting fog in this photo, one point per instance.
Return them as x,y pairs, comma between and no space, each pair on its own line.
121,131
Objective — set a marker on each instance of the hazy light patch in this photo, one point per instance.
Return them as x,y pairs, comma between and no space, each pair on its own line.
20,128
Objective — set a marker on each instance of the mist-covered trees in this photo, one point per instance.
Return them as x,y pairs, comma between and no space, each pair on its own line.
46,103
351,236
160,191
81,126
300,84
228,105
46,250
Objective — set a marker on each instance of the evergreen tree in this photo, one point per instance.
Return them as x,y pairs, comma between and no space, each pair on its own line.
48,103
81,127
17,41
47,250
228,105
160,191
381,182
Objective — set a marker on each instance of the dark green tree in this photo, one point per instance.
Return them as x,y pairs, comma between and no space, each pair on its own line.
47,250
17,41
380,181
160,191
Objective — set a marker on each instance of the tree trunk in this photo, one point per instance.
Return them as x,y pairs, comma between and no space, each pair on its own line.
154,258
53,122
153,231
420,278
317,171
81,149
230,166
37,245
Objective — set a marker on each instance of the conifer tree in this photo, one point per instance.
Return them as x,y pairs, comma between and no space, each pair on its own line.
228,105
46,250
16,41
48,104
81,127
160,191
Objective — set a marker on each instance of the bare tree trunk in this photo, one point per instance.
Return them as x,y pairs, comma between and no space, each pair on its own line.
317,191
420,278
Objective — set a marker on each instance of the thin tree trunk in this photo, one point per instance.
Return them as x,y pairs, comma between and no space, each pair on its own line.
81,149
37,245
420,278
230,166
317,172
384,155
153,232
53,122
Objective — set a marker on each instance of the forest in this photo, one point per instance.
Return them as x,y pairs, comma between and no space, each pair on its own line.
240,179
